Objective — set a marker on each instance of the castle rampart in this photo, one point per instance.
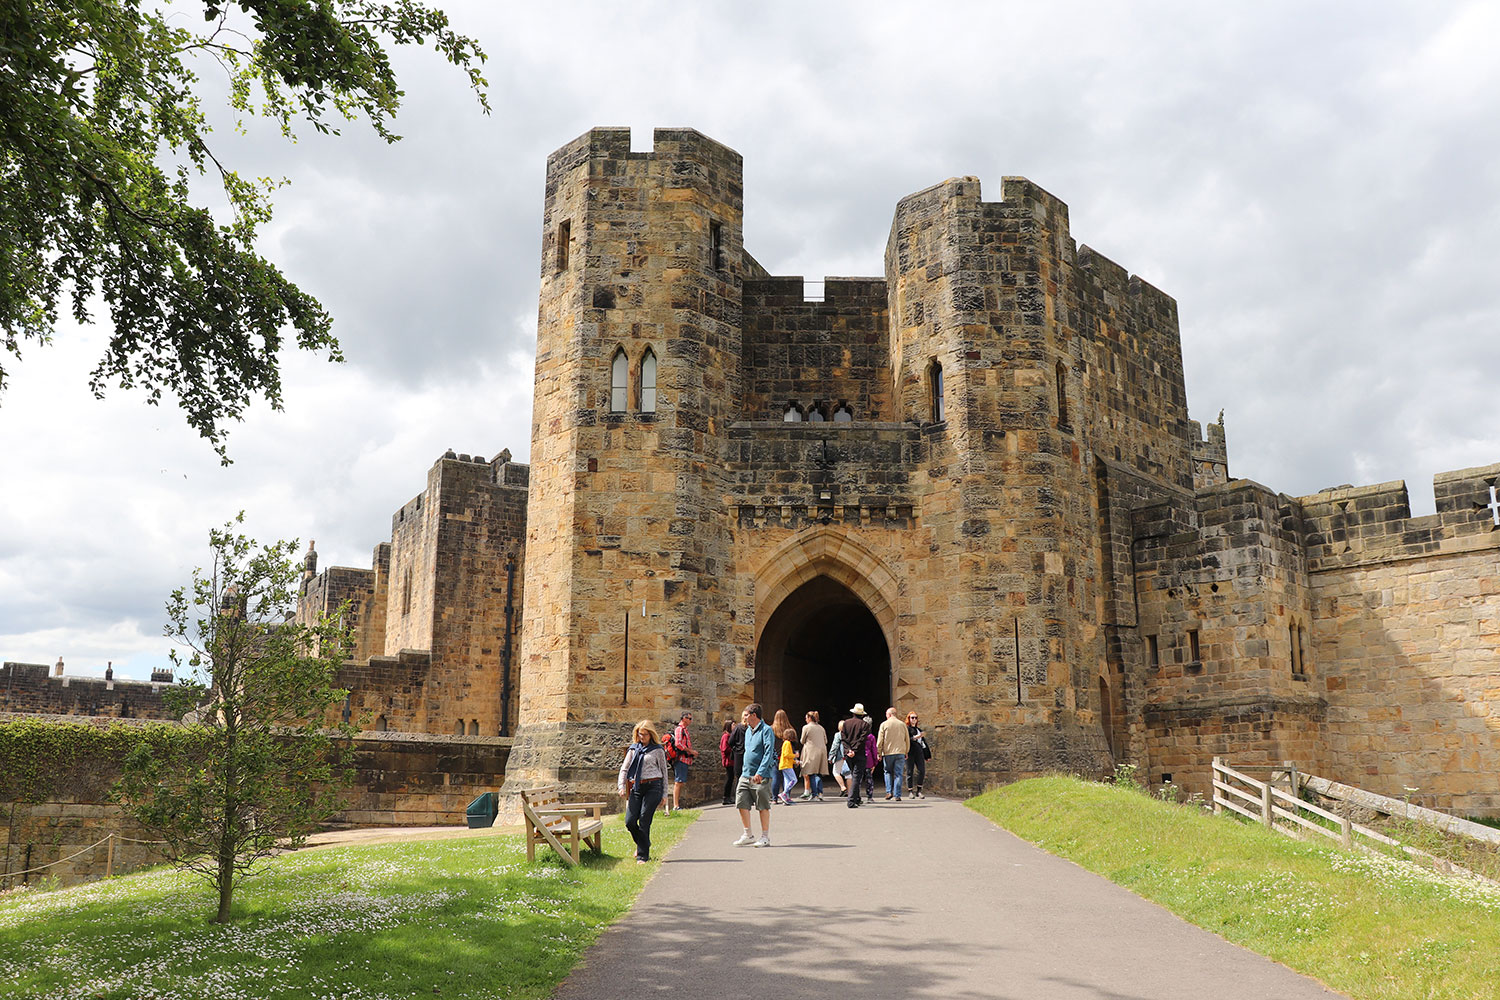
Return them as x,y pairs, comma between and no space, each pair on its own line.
31,688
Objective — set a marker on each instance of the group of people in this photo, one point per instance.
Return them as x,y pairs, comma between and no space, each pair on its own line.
762,762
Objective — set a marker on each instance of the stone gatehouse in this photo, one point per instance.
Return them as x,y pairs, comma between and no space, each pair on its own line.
968,487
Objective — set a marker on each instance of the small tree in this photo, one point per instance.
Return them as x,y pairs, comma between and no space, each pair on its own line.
267,767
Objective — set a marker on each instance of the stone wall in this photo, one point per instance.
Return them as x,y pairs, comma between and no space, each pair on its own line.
434,643
837,350
1406,639
401,779
365,590
31,688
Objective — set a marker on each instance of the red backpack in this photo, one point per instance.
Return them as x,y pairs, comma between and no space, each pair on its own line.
669,744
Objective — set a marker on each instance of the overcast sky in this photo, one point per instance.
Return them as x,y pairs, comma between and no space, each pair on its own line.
1315,184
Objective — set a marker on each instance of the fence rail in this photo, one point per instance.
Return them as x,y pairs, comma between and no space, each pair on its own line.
108,843
1267,801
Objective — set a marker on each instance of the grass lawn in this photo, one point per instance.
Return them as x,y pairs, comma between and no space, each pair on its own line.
1370,927
447,918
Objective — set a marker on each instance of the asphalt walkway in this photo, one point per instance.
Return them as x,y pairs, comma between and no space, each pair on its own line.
913,899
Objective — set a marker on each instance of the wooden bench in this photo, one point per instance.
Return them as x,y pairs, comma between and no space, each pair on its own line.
564,826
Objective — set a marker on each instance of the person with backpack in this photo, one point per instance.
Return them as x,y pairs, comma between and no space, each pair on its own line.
680,754
642,783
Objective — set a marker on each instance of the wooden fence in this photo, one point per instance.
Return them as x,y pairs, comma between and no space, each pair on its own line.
1283,811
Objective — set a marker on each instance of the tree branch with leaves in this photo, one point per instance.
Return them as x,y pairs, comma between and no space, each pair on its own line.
98,97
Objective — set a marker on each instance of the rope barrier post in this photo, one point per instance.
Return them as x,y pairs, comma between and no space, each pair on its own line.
109,858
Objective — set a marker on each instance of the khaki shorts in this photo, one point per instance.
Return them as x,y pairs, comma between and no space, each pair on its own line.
749,795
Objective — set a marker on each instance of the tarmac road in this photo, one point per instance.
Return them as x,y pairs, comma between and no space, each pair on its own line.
921,898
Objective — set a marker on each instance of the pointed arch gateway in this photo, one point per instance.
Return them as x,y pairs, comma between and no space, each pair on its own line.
825,628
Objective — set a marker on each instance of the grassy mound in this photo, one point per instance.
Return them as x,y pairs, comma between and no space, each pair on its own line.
1366,926
450,918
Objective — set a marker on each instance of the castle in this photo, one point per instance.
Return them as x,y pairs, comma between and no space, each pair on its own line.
969,487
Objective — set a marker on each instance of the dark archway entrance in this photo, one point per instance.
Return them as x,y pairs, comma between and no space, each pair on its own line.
822,649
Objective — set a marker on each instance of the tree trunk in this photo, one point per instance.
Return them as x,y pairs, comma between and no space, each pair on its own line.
225,882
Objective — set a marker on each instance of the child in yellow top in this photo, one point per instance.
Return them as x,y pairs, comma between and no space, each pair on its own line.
788,766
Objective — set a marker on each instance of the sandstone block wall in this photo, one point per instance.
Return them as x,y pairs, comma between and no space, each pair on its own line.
401,779
836,349
31,688
1406,639
365,590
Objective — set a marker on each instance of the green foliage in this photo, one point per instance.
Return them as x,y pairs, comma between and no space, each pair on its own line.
453,918
99,101
1366,925
1126,776
42,761
265,772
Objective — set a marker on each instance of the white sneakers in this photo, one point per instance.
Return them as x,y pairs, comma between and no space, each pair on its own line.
764,840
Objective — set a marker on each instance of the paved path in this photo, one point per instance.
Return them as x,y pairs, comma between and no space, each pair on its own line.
914,899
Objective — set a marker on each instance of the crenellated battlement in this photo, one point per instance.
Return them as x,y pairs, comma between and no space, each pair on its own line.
1358,525
600,147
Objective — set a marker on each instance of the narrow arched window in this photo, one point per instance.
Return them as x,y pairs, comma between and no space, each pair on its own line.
381,725
406,592
648,382
843,415
619,379
815,414
935,392
458,728
1062,395
473,727
792,414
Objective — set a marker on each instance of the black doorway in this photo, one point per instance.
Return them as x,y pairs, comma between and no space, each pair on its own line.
822,650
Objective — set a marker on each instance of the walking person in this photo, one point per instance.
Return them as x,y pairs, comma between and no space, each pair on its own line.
753,790
872,762
814,757
787,763
737,745
683,740
894,744
642,783
726,758
839,765
916,758
854,730
780,723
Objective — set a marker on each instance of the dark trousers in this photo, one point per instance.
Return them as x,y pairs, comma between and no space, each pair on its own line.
645,796
730,777
857,777
916,768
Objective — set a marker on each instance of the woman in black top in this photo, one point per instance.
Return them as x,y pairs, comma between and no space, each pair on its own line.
916,757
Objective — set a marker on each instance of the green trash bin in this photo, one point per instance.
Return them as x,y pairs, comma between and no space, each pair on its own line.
483,810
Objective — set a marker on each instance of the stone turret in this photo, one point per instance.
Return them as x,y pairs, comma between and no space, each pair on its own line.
637,379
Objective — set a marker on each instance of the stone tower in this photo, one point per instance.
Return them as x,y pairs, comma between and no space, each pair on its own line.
987,361
637,373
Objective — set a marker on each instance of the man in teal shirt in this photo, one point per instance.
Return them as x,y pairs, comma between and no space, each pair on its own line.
754,788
